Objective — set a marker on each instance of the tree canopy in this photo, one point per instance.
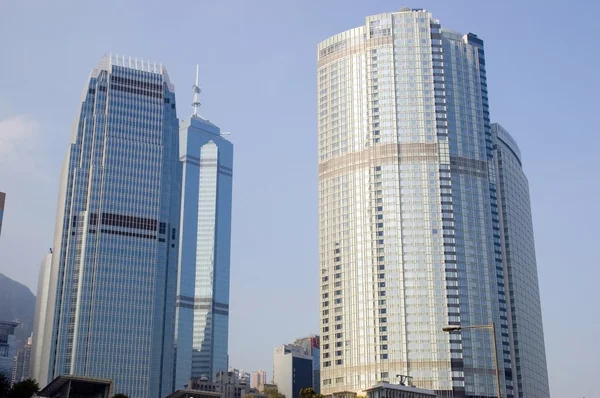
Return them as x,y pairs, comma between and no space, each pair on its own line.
4,385
273,392
23,389
309,393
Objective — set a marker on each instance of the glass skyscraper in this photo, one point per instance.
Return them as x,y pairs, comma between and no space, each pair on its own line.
113,276
520,270
205,240
410,224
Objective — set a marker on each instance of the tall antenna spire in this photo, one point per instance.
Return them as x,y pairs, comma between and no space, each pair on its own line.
196,88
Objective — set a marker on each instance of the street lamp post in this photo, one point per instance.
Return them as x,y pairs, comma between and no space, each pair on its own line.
492,328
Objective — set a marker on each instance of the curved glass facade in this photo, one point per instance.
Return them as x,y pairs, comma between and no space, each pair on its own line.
409,238
112,282
525,312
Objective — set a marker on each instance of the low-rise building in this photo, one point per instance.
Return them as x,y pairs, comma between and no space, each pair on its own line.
193,394
292,370
226,384
241,376
21,362
388,390
8,347
77,387
312,347
259,379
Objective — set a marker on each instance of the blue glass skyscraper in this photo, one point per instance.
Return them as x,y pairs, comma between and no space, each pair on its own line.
205,240
112,282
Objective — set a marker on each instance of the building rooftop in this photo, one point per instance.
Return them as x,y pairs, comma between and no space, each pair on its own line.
78,386
400,387
193,394
109,60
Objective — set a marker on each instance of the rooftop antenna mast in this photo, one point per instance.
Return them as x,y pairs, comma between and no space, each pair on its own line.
196,88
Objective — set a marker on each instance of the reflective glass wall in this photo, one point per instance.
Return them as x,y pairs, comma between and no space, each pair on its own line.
525,320
203,284
111,296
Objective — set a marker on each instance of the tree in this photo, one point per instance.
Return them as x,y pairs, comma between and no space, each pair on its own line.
309,393
120,395
23,389
273,392
4,385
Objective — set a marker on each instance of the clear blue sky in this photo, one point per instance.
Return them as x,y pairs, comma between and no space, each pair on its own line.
258,67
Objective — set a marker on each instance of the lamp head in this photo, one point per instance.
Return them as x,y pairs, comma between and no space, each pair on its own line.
451,329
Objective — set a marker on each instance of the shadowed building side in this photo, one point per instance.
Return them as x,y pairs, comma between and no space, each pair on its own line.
520,268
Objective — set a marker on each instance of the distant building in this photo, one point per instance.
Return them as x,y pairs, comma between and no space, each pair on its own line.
292,370
241,377
312,347
387,390
259,378
270,386
77,387
2,199
7,347
21,362
227,384
39,320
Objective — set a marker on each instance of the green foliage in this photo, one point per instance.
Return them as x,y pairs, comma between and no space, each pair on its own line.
309,393
4,385
23,389
273,392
